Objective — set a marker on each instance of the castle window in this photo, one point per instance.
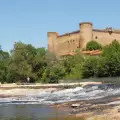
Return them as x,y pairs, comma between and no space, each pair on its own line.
96,37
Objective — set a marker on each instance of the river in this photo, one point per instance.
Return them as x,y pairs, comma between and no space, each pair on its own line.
37,105
29,111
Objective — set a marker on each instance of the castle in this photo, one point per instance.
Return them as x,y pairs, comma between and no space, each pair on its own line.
69,42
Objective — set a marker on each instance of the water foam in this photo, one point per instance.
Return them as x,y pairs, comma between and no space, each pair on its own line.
73,94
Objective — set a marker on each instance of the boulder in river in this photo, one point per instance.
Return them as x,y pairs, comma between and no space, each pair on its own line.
75,105
118,109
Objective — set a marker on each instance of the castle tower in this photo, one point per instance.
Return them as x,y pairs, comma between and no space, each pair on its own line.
85,33
52,36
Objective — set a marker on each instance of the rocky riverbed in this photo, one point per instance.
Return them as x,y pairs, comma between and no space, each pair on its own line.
88,101
91,111
99,108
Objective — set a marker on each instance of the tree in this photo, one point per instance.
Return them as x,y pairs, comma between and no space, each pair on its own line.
52,74
26,61
89,67
111,53
4,58
93,45
73,65
50,57
101,69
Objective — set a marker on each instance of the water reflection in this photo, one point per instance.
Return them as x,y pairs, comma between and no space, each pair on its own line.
34,106
34,112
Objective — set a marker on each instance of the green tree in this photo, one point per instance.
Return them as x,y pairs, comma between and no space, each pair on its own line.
26,61
101,69
111,53
93,45
4,58
89,67
73,66
52,74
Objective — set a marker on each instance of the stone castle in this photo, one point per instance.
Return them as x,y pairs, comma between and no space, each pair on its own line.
69,42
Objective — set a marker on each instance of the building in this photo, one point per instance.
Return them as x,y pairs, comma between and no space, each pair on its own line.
69,42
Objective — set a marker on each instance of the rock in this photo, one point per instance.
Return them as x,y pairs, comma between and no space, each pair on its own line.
75,111
75,105
118,109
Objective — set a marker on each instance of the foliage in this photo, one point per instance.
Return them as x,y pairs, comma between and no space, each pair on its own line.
88,68
111,54
53,74
73,66
93,45
39,65
101,69
27,61
107,65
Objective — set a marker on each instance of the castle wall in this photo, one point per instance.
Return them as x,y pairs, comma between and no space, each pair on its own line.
74,42
67,43
62,45
62,48
105,38
62,39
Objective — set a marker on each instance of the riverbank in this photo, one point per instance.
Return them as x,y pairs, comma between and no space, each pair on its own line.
14,89
88,111
44,86
86,100
107,114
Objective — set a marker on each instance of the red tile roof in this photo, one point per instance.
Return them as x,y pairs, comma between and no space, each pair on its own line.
93,52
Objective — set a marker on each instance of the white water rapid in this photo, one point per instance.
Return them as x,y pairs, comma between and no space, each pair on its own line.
65,95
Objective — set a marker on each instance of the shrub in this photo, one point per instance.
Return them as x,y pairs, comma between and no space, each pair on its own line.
102,69
93,45
89,67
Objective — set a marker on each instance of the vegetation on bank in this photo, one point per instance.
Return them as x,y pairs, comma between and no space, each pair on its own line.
24,61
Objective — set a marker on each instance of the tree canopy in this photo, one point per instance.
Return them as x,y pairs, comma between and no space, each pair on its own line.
24,61
93,45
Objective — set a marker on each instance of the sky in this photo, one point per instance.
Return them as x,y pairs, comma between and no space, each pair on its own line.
29,21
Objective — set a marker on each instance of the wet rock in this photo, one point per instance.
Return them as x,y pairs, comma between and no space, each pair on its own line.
75,105
75,111
118,109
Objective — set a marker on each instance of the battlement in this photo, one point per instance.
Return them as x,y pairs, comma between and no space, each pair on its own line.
68,34
96,30
85,23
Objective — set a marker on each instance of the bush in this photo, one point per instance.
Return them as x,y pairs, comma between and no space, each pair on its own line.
89,67
111,53
108,63
102,69
73,67
93,45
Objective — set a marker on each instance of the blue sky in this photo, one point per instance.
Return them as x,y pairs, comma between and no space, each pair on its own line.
30,20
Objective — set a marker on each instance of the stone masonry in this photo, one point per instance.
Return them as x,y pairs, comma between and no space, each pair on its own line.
69,42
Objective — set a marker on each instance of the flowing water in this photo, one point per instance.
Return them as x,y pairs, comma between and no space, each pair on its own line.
36,105
31,111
